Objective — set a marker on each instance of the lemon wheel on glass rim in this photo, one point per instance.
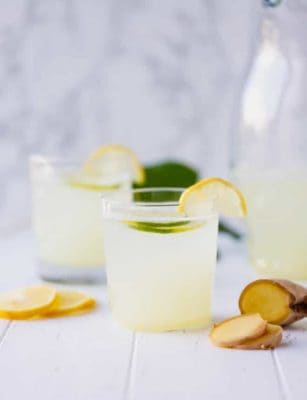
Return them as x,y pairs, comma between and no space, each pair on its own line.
229,199
115,158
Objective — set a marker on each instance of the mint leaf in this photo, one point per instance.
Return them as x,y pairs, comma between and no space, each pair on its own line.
169,174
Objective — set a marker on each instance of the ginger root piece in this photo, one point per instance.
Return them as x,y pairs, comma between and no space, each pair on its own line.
234,331
279,302
269,340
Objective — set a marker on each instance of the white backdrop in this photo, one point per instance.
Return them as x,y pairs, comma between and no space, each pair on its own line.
162,76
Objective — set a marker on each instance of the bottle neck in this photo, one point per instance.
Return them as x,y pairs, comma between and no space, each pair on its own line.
271,3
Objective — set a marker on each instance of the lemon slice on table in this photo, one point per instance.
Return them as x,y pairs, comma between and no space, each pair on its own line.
68,302
114,159
229,200
26,303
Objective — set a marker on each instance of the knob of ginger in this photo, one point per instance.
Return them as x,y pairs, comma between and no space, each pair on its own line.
280,302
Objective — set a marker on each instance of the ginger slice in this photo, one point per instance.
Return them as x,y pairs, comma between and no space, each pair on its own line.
237,330
269,340
279,302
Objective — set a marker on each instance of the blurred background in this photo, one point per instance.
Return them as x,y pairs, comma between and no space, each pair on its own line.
163,77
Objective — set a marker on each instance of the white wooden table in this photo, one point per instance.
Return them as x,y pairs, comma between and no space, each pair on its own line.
89,357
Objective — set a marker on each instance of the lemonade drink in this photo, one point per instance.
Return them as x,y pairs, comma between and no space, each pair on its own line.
160,265
277,224
67,218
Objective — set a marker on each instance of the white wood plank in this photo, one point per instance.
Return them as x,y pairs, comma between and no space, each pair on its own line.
90,358
290,358
186,366
4,326
290,361
85,357
75,358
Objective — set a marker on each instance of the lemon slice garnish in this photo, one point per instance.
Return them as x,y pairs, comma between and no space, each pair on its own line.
68,302
229,200
27,302
114,159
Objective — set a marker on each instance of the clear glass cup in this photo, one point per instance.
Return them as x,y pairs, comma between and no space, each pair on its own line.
270,144
67,218
160,264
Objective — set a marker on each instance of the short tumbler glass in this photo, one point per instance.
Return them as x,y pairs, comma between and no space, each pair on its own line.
159,264
67,218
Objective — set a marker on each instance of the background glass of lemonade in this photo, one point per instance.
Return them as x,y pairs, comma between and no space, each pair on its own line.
160,264
67,218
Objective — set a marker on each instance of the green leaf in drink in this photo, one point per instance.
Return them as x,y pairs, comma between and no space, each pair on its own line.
165,227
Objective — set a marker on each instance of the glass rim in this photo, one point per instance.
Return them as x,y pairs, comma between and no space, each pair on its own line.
38,158
56,163
108,199
131,205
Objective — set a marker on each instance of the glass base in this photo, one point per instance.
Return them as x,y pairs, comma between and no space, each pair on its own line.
137,325
56,273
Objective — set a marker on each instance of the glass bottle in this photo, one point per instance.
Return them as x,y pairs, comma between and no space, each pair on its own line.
270,149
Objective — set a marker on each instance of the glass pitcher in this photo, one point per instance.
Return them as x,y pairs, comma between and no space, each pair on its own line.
270,148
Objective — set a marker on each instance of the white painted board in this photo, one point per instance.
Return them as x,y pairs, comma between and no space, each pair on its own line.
90,357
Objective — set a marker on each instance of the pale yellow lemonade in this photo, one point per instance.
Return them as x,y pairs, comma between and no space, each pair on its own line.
67,209
160,267
277,224
67,221
161,281
67,217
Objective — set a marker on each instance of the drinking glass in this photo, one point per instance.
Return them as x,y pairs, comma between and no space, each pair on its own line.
67,218
160,264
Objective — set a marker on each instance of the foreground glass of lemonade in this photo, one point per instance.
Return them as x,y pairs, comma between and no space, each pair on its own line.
67,218
160,264
277,223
